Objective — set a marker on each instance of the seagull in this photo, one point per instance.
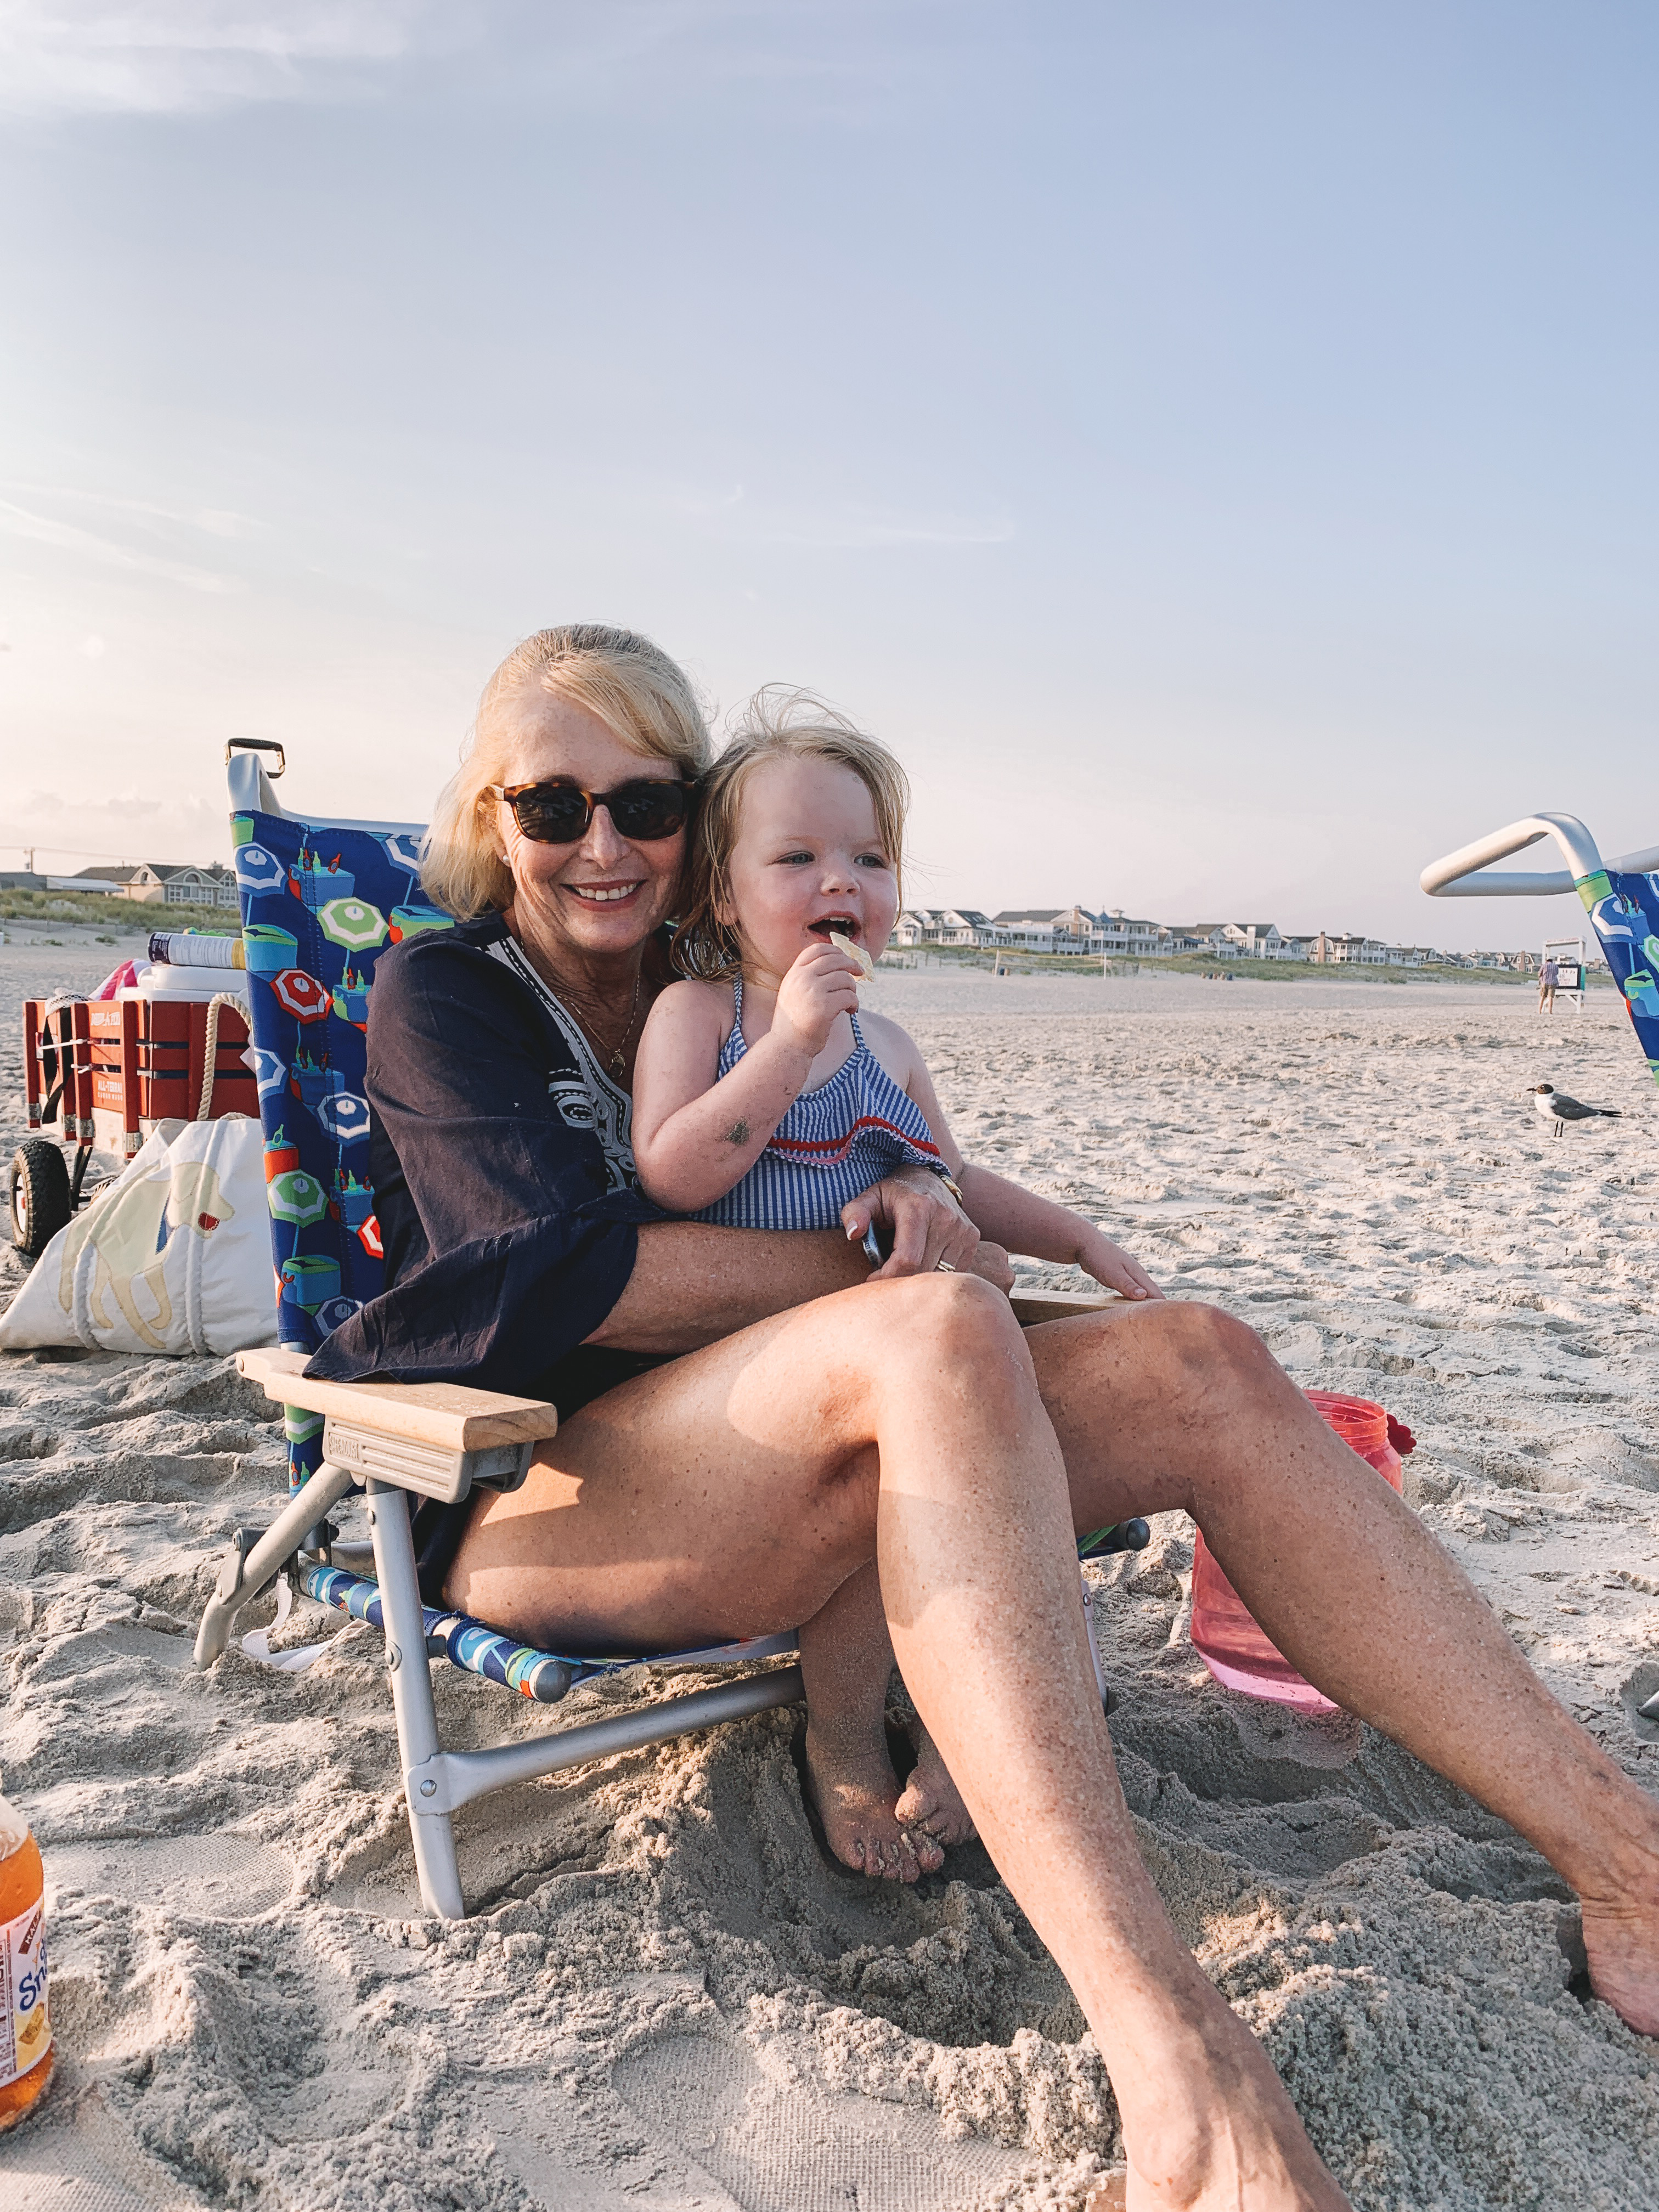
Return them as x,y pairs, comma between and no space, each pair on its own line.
1552,1105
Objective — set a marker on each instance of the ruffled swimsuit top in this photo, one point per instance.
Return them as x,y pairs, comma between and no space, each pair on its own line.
832,1144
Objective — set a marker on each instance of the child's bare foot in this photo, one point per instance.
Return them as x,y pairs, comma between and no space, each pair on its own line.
854,1792
931,1805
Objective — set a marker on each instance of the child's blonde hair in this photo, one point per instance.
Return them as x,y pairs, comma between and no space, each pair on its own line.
777,723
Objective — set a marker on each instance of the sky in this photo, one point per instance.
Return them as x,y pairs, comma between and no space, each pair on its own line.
1213,444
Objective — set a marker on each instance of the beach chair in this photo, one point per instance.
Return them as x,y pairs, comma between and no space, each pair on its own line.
1621,898
321,899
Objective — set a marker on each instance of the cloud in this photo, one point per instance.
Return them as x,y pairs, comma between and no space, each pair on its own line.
179,57
66,537
855,530
847,525
164,56
129,826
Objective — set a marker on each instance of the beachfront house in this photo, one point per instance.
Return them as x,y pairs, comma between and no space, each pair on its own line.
1117,936
1253,941
1344,949
1209,937
155,882
942,925
1045,928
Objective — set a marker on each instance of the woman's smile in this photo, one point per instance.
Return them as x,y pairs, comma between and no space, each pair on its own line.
602,894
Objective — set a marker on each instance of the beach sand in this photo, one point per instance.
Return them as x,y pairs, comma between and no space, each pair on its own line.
666,1997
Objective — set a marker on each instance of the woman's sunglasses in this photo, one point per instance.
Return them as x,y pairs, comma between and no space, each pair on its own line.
559,813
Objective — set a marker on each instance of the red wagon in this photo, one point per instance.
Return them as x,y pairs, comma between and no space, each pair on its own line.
98,1074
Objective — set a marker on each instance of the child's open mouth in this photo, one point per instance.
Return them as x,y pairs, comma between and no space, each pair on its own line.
827,922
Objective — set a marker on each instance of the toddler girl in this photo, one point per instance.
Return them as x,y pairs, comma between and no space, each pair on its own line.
764,1099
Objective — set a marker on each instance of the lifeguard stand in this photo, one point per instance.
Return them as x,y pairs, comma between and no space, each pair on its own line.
1568,954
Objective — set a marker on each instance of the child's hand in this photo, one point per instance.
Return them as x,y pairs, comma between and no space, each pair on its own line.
822,984
1113,1269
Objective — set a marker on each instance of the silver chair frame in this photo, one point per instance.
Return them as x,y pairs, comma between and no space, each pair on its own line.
1467,873
438,1783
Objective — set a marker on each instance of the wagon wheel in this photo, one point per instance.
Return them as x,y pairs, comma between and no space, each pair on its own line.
41,1201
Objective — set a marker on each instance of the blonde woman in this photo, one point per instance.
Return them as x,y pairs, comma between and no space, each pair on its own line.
752,1423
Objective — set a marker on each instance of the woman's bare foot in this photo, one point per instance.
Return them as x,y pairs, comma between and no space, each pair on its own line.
856,1791
1621,1942
930,1804
1208,2126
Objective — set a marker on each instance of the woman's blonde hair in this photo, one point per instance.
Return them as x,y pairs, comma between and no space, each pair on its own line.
632,686
777,723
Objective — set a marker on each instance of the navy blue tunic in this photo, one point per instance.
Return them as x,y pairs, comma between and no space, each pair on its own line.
503,1176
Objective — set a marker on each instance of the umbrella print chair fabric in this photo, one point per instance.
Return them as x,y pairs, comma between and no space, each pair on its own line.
320,903
1624,911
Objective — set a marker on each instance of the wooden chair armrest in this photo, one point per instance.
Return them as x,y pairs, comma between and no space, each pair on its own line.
1033,1306
447,1414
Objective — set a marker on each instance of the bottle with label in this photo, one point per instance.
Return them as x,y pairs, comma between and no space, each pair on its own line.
1224,1634
26,2056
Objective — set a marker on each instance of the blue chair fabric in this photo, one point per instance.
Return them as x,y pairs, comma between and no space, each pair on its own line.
320,905
1624,911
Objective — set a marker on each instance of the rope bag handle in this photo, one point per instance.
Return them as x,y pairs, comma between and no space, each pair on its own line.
210,1058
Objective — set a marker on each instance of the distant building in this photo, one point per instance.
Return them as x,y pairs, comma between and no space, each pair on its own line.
1255,940
1345,949
1202,937
1117,936
942,925
152,882
1043,929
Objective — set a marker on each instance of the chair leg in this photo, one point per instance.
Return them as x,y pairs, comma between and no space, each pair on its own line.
411,1693
253,1560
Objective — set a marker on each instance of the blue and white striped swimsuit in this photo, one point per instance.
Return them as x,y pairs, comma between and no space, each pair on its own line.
832,1144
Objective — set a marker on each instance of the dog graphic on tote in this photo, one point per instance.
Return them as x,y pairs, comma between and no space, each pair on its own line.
129,1237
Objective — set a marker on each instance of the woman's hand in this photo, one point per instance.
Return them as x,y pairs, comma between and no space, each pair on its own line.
1112,1268
923,1225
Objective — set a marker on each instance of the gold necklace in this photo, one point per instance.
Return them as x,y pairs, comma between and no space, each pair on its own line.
619,1056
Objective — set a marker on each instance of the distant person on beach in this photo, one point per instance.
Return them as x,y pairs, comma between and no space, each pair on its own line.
1549,978
756,1435
763,1100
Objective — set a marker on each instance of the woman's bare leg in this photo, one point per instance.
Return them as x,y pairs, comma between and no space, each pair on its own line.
1177,1405
735,1491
